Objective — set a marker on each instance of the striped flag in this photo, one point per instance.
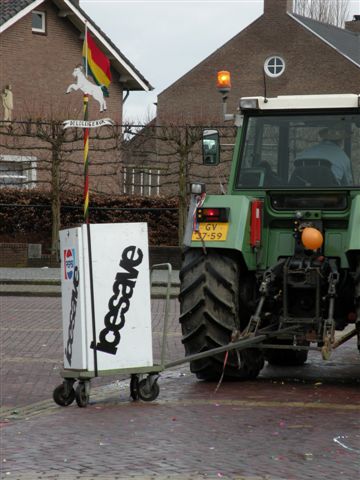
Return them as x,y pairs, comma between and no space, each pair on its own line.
98,65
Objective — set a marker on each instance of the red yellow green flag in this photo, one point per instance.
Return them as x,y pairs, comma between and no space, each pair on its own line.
98,64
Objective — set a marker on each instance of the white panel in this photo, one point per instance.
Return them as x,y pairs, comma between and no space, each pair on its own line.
121,279
73,285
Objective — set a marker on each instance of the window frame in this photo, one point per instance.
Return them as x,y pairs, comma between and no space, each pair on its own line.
271,113
43,16
266,66
30,175
142,189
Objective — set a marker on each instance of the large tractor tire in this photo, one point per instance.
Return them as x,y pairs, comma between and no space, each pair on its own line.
209,312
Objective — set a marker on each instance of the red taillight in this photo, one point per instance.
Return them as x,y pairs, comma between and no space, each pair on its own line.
255,226
212,214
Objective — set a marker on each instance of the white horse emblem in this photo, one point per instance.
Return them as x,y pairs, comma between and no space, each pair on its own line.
87,87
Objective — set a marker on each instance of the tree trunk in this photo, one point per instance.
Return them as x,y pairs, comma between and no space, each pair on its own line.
182,198
55,200
183,169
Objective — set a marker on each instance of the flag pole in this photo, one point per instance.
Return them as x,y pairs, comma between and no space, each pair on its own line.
86,50
86,160
86,206
86,139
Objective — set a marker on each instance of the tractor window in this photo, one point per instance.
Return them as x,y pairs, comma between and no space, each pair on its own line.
301,151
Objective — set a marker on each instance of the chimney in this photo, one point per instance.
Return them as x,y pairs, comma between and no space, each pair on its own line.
354,24
277,7
76,2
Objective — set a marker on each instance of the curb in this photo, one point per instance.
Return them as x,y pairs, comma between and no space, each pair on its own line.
22,290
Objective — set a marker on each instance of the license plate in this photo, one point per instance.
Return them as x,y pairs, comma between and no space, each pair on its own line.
211,232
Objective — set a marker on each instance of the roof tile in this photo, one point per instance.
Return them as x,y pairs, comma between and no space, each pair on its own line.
9,8
345,41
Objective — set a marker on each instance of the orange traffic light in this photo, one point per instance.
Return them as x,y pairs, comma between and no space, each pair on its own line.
223,81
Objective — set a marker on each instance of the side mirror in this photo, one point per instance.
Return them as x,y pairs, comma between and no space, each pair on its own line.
211,147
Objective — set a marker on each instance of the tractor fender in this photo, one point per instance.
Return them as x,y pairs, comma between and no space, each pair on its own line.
352,246
238,236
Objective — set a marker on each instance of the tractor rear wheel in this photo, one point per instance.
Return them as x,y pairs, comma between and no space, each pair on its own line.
210,312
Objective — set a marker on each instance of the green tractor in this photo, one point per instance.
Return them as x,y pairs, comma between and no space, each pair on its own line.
279,253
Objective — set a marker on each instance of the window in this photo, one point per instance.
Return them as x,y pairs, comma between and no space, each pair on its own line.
299,150
274,66
38,22
17,171
141,181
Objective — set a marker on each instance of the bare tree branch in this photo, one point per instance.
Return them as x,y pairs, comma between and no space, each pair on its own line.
334,12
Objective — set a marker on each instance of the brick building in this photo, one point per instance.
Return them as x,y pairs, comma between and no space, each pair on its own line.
40,44
280,53
283,52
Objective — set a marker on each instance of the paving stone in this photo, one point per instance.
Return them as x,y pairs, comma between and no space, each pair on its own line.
293,424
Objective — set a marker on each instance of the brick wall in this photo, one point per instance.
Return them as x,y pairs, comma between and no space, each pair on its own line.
39,68
312,67
13,254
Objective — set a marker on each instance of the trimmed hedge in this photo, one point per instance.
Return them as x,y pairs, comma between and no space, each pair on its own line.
25,216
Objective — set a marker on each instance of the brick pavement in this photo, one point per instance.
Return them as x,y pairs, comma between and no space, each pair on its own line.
282,430
282,426
31,349
31,346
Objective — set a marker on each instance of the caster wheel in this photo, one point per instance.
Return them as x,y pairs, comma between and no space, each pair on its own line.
63,395
81,395
134,387
148,392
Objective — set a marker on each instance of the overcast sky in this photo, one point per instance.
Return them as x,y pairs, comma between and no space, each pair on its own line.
164,39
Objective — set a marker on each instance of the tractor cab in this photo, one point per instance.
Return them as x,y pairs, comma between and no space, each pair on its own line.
292,143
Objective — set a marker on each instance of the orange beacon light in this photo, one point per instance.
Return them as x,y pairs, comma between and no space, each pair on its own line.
223,81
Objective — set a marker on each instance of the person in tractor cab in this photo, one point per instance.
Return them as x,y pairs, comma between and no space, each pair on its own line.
329,149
